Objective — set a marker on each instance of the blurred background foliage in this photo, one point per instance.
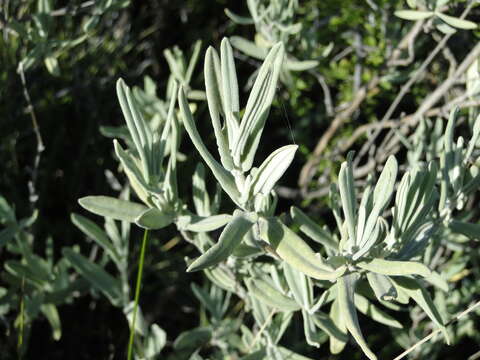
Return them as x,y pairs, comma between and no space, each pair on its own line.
59,61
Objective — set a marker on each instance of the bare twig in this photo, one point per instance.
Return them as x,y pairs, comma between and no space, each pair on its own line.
327,96
340,118
433,333
433,98
40,146
406,88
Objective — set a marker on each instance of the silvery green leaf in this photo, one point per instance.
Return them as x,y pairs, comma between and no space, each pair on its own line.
201,200
449,130
394,267
129,164
170,188
313,230
51,313
230,97
437,280
299,285
94,232
413,14
95,274
242,20
258,107
193,339
225,179
202,224
176,68
346,291
385,184
457,22
325,323
169,133
443,27
415,197
327,296
111,207
193,61
311,334
293,250
140,324
269,295
213,87
207,301
134,175
272,169
154,219
367,308
230,238
382,286
297,65
378,232
138,128
111,229
220,278
468,229
381,197
248,47
156,341
419,294
337,344
346,186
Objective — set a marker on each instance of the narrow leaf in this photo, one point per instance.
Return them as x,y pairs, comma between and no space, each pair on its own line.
202,224
296,65
111,207
242,20
225,179
293,250
347,193
419,294
213,87
230,238
95,274
258,107
382,286
367,308
457,22
94,232
248,47
313,230
154,219
337,344
270,296
272,169
346,291
394,267
413,14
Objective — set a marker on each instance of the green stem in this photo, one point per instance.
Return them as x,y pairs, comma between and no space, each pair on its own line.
22,321
137,294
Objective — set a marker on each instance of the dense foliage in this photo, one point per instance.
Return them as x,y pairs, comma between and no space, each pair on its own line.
302,181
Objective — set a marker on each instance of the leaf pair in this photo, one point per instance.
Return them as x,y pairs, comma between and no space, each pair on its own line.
147,218
365,227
